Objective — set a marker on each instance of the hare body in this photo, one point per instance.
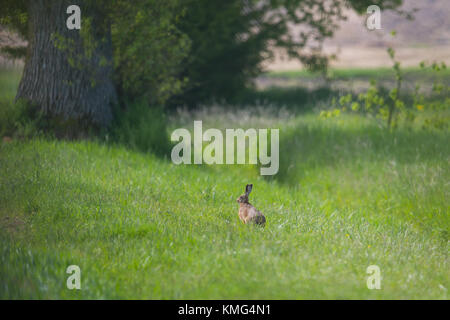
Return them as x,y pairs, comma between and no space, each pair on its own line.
247,212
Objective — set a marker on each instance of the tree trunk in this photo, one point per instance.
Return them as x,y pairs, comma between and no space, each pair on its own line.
68,73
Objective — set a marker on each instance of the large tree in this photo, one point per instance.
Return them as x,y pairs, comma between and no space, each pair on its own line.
68,73
129,48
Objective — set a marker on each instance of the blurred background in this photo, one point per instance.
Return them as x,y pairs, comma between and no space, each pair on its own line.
426,37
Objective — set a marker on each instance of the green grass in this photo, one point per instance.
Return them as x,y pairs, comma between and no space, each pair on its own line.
141,227
349,194
361,73
9,114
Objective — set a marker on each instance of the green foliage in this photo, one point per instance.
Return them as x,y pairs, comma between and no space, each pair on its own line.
14,16
18,120
439,105
148,49
12,52
296,99
142,128
392,108
224,54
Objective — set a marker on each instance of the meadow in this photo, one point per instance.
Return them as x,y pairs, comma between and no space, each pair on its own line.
349,194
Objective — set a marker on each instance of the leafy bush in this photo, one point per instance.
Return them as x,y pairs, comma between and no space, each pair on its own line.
19,120
142,128
148,49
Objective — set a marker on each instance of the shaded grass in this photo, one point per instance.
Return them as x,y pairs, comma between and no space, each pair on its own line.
295,99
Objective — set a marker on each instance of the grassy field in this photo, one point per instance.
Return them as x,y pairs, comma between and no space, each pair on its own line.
349,194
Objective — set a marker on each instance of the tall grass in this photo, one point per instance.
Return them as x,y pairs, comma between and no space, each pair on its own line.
351,161
141,127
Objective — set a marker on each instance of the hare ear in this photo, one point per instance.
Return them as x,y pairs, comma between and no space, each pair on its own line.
248,189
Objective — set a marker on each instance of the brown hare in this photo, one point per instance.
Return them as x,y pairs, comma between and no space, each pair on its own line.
247,212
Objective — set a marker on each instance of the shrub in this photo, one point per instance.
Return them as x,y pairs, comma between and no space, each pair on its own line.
393,107
142,128
19,120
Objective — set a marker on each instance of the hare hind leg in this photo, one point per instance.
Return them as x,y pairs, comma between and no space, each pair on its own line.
259,220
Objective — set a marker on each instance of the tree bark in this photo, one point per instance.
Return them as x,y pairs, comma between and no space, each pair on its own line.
68,73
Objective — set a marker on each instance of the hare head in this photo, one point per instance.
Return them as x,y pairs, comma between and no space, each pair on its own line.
244,198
